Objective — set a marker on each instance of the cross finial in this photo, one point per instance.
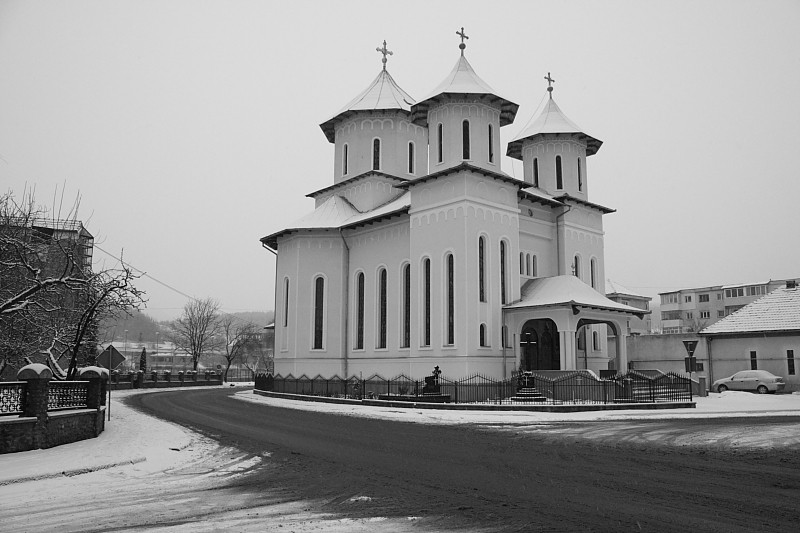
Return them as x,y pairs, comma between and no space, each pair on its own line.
550,82
463,36
385,51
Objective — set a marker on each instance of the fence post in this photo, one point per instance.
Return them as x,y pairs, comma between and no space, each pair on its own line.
37,390
95,395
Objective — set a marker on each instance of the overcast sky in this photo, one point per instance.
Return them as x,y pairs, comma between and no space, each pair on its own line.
191,129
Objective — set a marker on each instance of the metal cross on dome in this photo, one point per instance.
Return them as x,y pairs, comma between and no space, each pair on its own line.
463,36
550,82
385,51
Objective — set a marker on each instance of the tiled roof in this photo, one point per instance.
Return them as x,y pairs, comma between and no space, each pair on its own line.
777,311
551,120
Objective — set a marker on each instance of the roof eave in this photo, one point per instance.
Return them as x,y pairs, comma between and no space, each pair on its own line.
349,181
508,109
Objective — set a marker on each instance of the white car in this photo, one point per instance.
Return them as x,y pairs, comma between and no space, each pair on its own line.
759,381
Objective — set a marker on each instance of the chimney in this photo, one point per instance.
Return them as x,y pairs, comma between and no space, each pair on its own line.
791,283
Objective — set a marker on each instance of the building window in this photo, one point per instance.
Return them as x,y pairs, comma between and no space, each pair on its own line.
345,150
411,158
521,263
687,299
753,361
491,144
559,176
502,272
689,315
790,362
482,268
580,177
534,270
376,154
319,312
576,267
535,172
406,307
705,314
670,315
671,298
595,341
504,337
465,139
285,302
440,140
382,308
482,335
360,311
451,300
702,298
593,272
426,269
528,265
721,313
734,293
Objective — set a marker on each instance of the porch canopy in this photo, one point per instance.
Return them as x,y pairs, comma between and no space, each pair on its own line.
570,304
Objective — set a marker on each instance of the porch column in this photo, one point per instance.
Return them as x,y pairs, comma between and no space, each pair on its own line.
622,351
568,353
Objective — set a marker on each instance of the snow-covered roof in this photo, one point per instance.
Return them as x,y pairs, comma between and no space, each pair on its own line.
614,288
336,212
567,290
551,120
382,94
463,80
774,312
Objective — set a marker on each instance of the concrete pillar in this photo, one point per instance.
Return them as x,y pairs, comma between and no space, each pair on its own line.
37,390
622,352
568,353
97,378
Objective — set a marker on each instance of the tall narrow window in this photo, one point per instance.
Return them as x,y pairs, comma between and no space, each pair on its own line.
319,311
482,335
465,139
533,267
576,267
426,268
753,361
502,272
440,141
345,150
593,272
376,154
411,158
580,176
482,268
535,172
522,263
382,308
528,265
285,302
360,311
595,341
790,362
406,307
451,300
491,144
559,176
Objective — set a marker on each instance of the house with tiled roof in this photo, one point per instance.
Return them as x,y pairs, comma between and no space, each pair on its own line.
763,335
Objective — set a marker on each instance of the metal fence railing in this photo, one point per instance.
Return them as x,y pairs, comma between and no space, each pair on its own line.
12,397
551,387
67,395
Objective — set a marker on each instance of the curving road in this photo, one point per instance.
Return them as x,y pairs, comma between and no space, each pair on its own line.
481,478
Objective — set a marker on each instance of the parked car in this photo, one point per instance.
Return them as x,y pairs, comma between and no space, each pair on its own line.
759,381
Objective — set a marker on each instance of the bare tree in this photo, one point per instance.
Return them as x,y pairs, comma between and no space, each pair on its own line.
237,335
197,329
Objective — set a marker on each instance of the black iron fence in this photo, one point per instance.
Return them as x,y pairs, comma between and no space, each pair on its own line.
549,387
12,397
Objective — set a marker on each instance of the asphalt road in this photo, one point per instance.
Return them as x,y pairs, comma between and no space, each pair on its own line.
479,478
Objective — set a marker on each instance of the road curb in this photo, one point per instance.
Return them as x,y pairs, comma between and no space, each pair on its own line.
73,471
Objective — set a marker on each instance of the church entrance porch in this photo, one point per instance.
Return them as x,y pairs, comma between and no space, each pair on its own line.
539,346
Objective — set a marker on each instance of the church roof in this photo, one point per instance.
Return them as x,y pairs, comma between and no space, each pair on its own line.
502,176
336,212
614,288
559,291
349,181
566,198
463,80
778,311
381,95
551,121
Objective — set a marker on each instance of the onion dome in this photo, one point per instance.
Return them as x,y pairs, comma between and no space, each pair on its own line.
551,121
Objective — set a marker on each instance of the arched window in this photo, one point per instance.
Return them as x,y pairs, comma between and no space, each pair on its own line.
535,172
451,299
528,265
426,272
440,141
376,154
522,263
319,312
360,311
406,342
491,144
533,267
410,157
285,302
504,336
576,267
482,335
482,268
465,139
595,341
382,308
593,272
503,272
580,176
559,176
345,150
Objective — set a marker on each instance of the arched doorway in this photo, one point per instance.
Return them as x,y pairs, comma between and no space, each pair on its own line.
539,346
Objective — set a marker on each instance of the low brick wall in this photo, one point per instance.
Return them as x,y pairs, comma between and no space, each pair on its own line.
61,427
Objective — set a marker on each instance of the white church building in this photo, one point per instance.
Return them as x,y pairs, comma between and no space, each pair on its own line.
424,253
